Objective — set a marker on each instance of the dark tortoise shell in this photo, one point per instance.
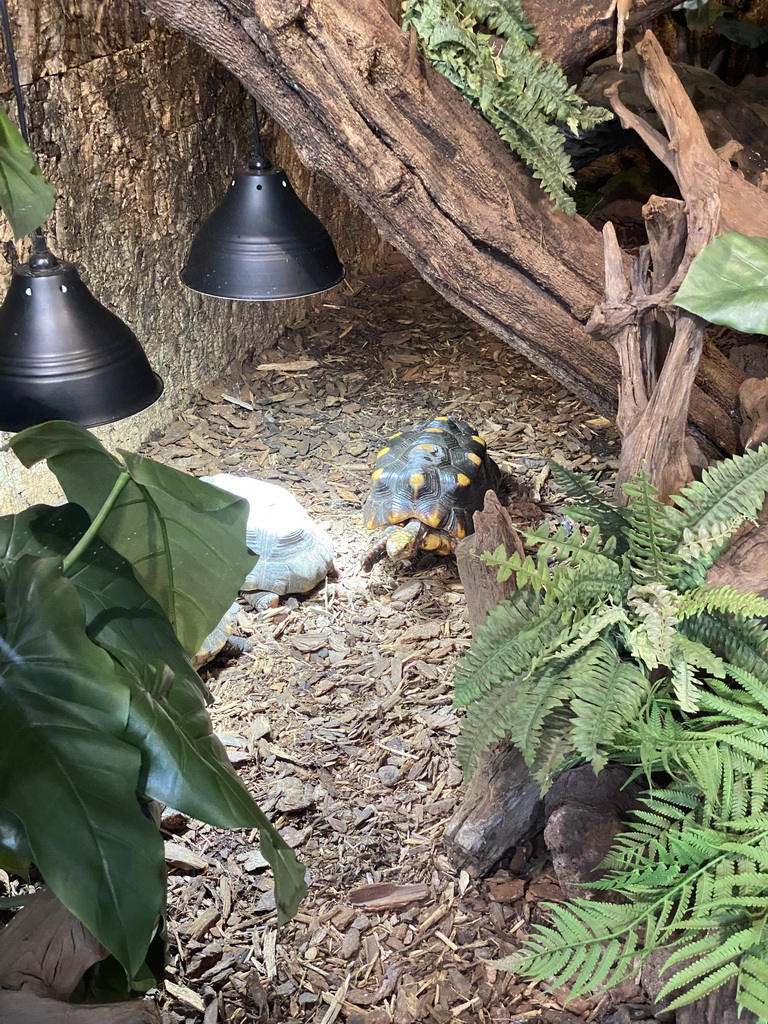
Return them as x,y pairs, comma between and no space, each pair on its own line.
436,473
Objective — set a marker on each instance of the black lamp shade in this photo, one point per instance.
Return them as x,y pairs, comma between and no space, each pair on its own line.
65,356
261,243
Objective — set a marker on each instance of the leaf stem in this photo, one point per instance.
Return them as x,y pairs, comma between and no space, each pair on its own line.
98,522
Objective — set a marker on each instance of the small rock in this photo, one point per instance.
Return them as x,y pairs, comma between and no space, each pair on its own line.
253,861
389,774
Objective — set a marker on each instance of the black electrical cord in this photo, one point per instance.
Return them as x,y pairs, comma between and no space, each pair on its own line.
38,240
259,162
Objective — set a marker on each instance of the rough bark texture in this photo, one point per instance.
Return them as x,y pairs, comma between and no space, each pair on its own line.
140,131
23,1008
658,368
589,31
45,950
502,805
482,590
432,175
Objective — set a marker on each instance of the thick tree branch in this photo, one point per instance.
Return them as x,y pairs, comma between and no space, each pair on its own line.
433,176
588,32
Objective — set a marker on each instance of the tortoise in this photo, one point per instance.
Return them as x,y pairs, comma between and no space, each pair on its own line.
221,638
294,552
427,484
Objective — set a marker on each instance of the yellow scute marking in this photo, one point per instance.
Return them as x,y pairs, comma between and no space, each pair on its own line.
440,419
462,480
383,452
460,531
393,436
426,447
393,517
376,474
474,458
480,440
434,519
433,430
416,481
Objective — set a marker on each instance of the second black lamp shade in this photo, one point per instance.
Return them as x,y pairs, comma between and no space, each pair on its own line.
261,242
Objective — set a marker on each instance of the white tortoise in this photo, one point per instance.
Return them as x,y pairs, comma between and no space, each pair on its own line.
295,554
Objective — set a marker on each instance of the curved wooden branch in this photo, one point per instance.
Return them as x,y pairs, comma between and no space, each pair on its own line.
589,31
434,177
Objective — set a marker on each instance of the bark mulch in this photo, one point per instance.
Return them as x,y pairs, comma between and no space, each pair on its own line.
339,717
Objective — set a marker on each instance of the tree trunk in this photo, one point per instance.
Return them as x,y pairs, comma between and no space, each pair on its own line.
437,181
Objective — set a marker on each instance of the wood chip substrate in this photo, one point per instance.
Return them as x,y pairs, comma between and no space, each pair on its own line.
339,717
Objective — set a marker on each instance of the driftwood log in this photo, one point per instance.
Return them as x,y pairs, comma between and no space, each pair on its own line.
437,181
659,347
44,953
502,805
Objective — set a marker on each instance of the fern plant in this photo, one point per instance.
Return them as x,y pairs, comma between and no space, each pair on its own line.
615,649
524,97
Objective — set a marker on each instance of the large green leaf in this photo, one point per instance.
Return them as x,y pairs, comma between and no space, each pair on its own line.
26,197
727,283
64,771
184,539
15,854
183,763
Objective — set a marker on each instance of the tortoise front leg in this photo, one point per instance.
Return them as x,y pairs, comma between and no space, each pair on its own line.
378,551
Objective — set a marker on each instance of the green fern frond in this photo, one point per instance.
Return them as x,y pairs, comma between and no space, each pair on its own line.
729,492
505,19
514,632
560,949
589,629
523,97
685,685
613,690
725,599
704,541
652,541
534,699
741,643
591,506
483,725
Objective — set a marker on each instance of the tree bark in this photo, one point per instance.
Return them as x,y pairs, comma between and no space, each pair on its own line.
589,31
436,180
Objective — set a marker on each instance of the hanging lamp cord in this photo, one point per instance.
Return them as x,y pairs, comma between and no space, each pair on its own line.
259,162
38,239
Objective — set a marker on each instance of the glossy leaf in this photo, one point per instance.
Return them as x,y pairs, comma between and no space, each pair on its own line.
65,772
184,764
15,854
184,539
727,283
26,197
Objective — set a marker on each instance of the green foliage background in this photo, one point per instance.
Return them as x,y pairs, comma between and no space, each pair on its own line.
484,47
615,649
102,600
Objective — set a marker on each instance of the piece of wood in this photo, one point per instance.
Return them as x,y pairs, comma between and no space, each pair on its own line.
744,563
45,950
482,590
588,30
502,805
753,399
26,1008
501,809
703,177
434,177
658,374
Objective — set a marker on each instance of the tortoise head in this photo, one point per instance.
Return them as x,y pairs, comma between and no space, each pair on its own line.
404,541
